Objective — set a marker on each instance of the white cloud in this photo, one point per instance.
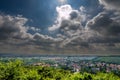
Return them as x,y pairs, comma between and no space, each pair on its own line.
82,9
68,14
34,29
45,38
69,24
63,14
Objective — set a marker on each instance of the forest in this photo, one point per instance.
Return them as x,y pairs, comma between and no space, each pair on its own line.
17,70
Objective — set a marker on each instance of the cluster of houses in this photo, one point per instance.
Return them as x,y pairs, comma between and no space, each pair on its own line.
81,66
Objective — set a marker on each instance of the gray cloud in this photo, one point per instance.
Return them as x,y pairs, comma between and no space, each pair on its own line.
104,24
14,32
74,15
111,4
67,17
13,27
69,24
45,38
98,33
102,29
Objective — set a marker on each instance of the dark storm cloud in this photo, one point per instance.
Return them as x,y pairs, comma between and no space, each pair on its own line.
69,28
104,24
111,4
13,27
107,23
73,15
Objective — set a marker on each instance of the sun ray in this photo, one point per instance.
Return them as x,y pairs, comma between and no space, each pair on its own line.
62,1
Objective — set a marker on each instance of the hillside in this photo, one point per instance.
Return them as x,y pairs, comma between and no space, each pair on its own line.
108,59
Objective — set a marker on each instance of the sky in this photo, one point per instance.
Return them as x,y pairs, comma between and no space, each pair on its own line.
85,27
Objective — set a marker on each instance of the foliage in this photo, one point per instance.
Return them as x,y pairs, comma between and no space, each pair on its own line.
16,70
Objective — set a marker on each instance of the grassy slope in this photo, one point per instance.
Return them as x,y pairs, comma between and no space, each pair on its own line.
108,59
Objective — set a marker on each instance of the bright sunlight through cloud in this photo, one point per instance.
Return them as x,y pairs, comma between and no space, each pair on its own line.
62,1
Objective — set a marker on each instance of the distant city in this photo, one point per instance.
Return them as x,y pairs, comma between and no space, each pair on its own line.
91,64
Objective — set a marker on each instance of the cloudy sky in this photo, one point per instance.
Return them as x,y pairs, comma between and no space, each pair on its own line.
60,27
